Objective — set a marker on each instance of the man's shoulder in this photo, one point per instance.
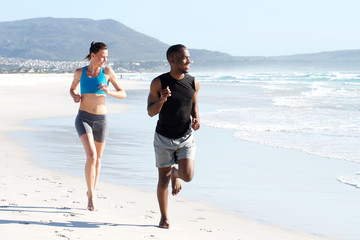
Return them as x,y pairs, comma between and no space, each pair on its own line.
187,75
161,78
164,75
156,83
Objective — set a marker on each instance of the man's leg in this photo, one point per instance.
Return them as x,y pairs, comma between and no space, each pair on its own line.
185,173
162,194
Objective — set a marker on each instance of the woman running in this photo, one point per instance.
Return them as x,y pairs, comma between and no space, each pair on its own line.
91,122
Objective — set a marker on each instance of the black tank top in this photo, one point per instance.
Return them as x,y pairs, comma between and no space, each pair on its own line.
174,117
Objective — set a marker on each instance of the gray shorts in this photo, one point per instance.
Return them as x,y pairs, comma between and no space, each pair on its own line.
168,151
95,124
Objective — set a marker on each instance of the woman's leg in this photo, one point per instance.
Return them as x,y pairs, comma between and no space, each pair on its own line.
90,166
99,150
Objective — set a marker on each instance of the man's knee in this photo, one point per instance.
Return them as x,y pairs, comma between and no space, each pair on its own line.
164,178
186,169
163,184
187,175
188,178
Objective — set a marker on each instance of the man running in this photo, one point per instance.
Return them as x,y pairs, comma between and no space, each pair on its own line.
173,96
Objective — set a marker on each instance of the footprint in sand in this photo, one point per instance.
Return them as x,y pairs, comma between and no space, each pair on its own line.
44,179
25,223
197,219
62,236
45,221
116,206
100,196
151,236
63,208
69,215
148,214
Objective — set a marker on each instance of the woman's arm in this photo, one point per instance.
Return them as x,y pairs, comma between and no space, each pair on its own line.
119,90
75,84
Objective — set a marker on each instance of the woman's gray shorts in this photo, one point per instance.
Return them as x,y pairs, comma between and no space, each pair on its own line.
96,124
168,151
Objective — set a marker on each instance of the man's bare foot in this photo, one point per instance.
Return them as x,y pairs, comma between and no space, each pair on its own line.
164,223
90,203
175,181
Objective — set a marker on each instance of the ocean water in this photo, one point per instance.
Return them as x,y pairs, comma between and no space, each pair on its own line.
306,124
317,113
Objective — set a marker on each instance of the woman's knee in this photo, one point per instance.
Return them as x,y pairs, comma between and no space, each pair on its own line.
98,163
91,158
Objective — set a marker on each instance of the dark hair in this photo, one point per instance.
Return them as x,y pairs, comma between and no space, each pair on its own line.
174,49
95,47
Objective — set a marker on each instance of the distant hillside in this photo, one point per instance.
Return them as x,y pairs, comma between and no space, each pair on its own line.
69,39
344,60
58,39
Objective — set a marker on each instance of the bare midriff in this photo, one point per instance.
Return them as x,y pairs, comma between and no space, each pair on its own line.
93,103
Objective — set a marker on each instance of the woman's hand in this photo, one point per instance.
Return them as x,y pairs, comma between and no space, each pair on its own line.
76,97
104,87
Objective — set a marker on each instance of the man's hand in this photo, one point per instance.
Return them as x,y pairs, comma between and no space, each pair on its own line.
165,93
195,124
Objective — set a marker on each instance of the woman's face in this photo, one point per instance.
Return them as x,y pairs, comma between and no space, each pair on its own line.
100,58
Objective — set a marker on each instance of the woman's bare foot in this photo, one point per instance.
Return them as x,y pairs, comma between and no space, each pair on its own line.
175,181
90,206
164,223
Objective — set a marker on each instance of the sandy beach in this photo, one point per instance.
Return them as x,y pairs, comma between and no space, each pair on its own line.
36,203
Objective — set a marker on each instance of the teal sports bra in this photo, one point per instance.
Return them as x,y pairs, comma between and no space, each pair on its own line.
91,85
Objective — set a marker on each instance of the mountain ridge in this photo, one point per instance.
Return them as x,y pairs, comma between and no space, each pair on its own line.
68,39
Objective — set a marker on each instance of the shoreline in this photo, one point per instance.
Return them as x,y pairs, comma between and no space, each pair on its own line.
46,204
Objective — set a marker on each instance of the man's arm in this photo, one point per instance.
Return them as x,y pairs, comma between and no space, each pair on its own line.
157,97
195,109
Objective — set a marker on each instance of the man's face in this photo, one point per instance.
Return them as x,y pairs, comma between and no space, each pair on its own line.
181,60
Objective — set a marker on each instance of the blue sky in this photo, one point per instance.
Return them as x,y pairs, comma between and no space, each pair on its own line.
237,27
